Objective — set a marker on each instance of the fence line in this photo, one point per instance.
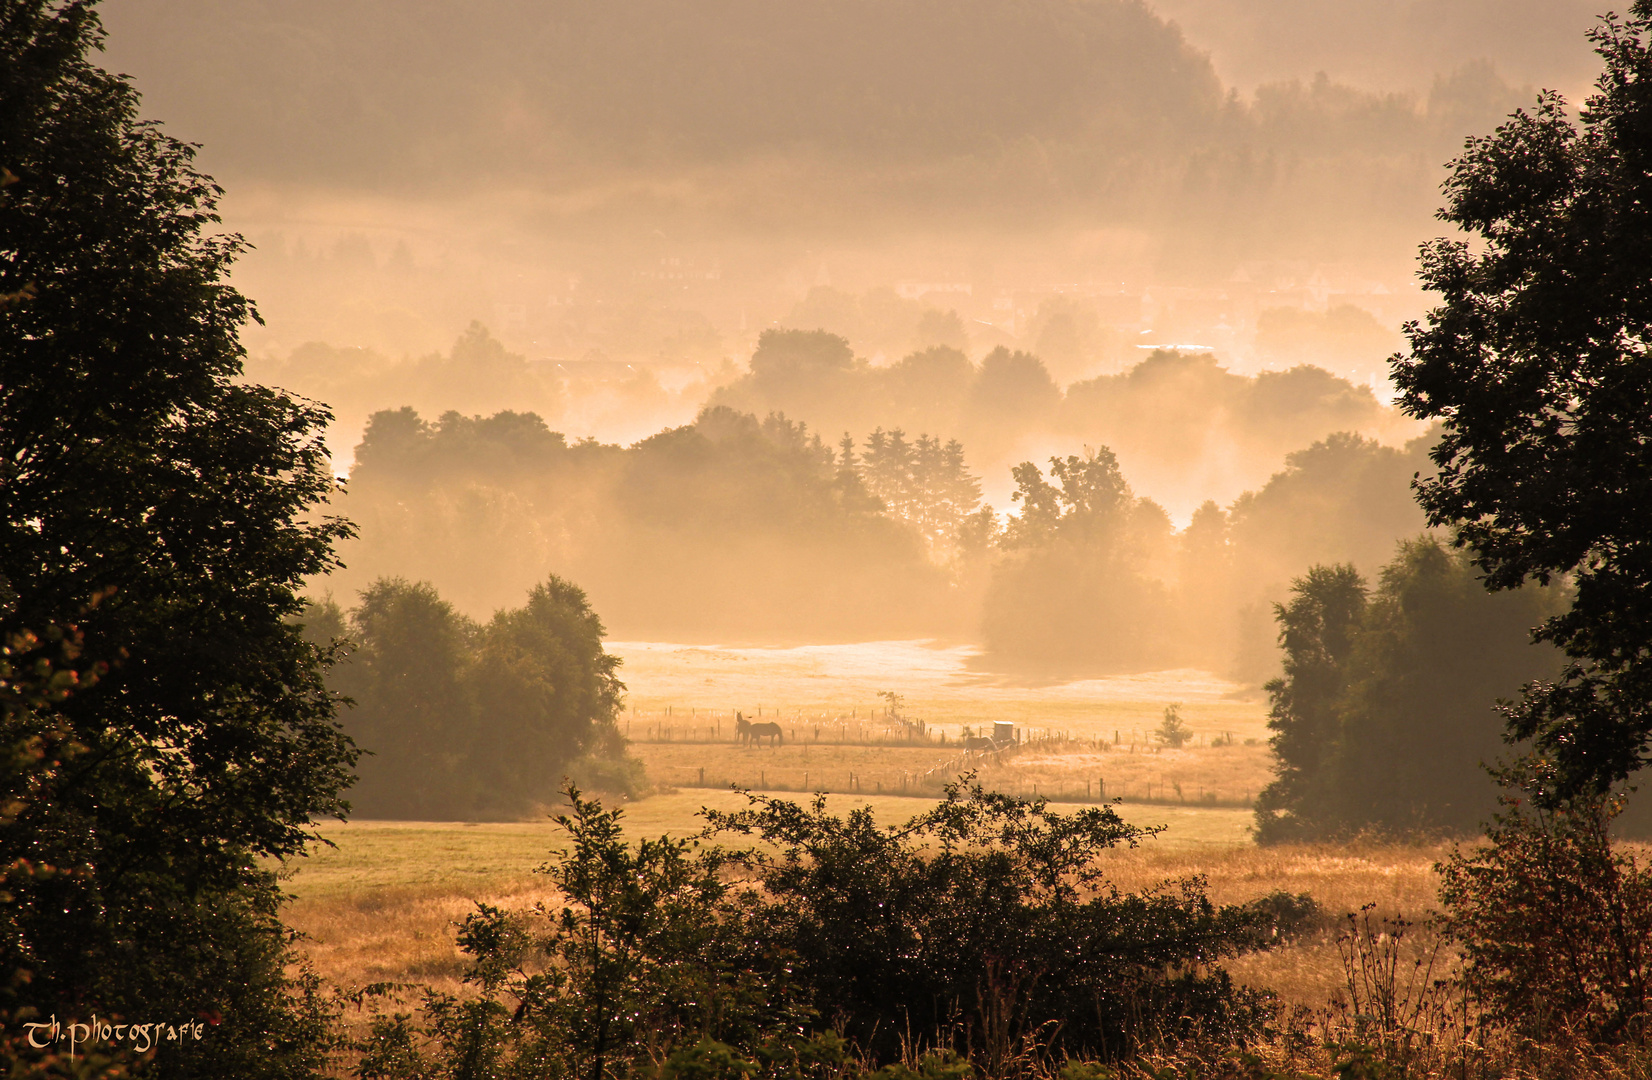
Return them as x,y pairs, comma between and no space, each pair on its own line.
916,786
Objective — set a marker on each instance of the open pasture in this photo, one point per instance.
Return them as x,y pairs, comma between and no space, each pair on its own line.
1060,770
693,689
1092,738
382,904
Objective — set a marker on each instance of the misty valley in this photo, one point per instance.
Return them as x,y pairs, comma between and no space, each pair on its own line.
825,540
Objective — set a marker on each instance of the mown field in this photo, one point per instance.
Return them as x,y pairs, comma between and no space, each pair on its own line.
702,686
1060,770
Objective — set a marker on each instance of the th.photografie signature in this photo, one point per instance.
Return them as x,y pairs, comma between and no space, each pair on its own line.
139,1037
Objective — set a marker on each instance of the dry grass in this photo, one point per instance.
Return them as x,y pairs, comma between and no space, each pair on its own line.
1399,879
682,701
1229,775
383,904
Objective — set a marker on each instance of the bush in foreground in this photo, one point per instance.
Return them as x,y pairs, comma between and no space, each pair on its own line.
983,928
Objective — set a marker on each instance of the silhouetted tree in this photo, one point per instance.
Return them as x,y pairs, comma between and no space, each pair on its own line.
410,680
546,693
1419,724
1316,631
785,353
1090,501
1536,366
1342,499
926,389
941,328
467,721
726,525
1012,393
923,482
136,467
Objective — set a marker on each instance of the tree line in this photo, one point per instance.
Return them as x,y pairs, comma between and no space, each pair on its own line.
728,525
1166,414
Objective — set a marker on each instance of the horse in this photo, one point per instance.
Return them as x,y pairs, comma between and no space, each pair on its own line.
747,731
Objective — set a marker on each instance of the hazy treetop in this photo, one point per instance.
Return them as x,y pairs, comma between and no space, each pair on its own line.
1391,44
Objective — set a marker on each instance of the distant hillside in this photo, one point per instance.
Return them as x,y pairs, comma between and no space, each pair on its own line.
978,114
411,92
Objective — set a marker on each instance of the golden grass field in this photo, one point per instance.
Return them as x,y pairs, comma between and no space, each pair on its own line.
384,902
1062,772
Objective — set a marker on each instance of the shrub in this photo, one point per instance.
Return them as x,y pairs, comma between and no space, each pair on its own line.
975,936
1173,730
1555,925
988,920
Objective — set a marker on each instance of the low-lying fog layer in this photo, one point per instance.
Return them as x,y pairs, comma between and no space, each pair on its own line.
653,183
1056,327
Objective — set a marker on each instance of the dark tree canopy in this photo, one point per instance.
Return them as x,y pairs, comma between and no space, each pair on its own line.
462,721
408,678
1316,631
170,512
1538,363
1384,715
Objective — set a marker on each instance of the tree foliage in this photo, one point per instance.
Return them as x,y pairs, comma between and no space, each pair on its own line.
1173,730
728,525
1537,364
1385,712
724,526
1317,629
470,721
1082,584
171,513
924,482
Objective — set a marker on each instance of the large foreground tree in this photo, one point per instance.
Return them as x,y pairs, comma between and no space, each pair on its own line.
1539,364
171,513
